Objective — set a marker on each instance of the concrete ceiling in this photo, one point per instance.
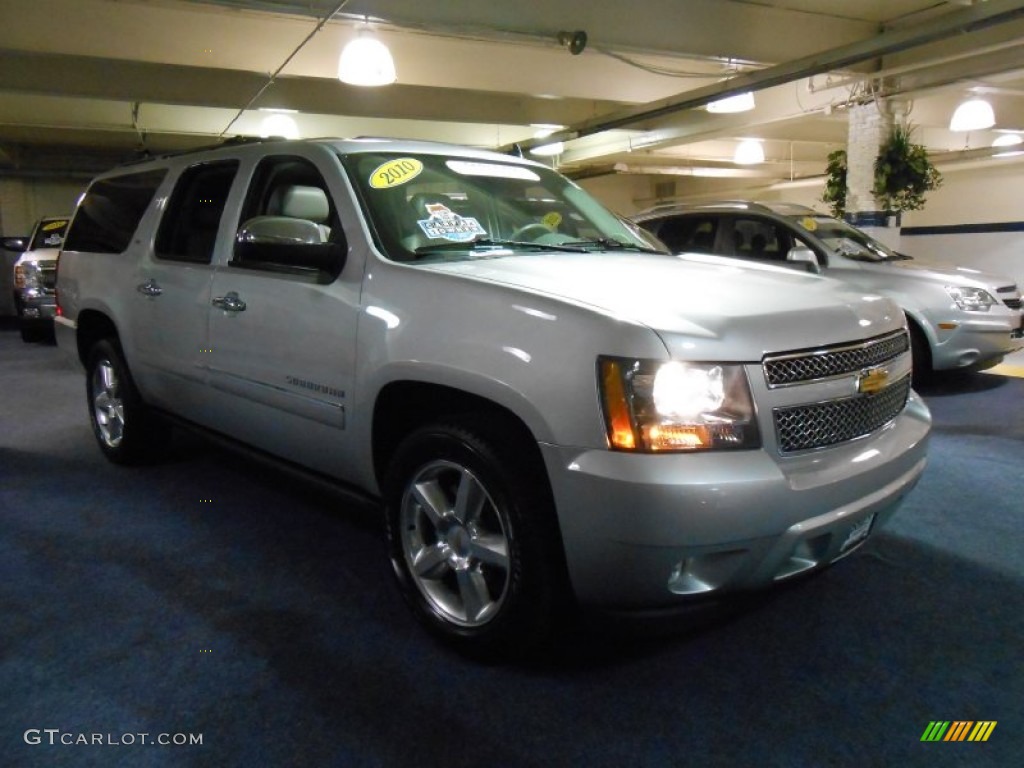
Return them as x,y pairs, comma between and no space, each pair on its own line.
88,83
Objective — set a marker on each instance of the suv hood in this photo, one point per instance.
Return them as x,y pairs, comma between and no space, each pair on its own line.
700,305
941,273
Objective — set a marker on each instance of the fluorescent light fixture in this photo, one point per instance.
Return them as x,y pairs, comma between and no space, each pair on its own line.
543,130
1008,140
973,115
749,152
741,102
366,61
548,150
278,124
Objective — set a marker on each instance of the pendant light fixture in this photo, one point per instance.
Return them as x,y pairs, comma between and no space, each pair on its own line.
749,152
366,61
973,115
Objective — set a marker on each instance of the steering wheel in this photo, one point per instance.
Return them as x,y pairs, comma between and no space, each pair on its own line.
531,231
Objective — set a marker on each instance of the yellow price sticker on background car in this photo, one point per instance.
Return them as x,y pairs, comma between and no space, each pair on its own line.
808,223
552,220
52,225
395,172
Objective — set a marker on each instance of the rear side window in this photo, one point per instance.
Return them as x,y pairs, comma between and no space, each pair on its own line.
692,234
756,238
110,212
189,227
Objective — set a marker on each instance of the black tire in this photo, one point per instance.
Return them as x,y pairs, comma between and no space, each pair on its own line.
490,574
921,354
126,430
29,333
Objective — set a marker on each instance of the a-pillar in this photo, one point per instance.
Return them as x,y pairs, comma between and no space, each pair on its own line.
868,128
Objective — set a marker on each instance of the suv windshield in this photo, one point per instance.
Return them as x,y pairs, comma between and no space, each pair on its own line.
49,234
846,240
436,207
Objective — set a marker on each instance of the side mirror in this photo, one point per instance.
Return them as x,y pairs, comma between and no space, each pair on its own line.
286,243
16,244
803,256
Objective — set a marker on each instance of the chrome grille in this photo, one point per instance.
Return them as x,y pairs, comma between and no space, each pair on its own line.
48,277
811,365
803,427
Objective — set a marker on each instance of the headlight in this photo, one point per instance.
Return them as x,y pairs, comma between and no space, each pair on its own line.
971,299
26,275
656,406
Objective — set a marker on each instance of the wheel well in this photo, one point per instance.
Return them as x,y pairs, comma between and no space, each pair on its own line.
923,345
93,326
404,406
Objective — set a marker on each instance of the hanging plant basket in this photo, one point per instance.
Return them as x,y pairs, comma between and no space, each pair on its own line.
903,173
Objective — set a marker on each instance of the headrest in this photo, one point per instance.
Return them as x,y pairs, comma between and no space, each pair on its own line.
301,202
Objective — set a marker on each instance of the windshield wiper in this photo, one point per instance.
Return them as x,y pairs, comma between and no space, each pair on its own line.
491,243
613,244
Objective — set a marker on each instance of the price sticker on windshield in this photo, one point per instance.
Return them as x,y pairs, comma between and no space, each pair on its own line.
808,223
395,172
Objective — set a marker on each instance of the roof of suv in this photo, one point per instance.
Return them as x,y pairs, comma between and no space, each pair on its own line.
778,208
343,145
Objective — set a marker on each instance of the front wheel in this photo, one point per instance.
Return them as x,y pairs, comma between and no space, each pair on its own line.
473,539
126,430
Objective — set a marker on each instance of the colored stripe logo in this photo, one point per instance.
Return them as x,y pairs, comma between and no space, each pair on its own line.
958,730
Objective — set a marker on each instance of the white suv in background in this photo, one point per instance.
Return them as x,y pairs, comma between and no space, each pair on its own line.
959,318
548,407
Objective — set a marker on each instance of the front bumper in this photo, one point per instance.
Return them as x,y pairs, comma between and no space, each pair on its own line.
646,532
35,306
976,342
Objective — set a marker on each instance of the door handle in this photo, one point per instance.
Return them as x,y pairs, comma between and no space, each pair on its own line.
149,288
229,302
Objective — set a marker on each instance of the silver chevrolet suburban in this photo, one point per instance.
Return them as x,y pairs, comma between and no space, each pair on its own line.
551,409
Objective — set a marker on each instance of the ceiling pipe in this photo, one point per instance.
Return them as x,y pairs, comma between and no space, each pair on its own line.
972,19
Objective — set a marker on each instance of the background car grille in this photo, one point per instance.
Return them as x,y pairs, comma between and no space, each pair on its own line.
803,427
48,277
833,361
1012,303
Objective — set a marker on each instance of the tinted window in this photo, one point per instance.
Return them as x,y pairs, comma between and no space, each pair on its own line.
110,212
692,234
756,238
189,227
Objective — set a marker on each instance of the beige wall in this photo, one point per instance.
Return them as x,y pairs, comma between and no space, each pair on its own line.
23,201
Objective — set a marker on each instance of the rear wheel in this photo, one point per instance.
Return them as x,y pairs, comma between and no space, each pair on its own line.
126,430
473,538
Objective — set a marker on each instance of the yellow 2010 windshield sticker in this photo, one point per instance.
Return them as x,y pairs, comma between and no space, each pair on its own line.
395,172
808,223
52,225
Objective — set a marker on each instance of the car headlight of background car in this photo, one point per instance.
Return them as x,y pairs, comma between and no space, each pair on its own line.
658,406
26,275
971,299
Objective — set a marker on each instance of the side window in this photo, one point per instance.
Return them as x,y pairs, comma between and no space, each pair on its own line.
691,234
110,212
189,227
289,222
762,239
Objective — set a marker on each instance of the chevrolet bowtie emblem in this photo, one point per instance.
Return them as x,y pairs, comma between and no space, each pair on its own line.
872,380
